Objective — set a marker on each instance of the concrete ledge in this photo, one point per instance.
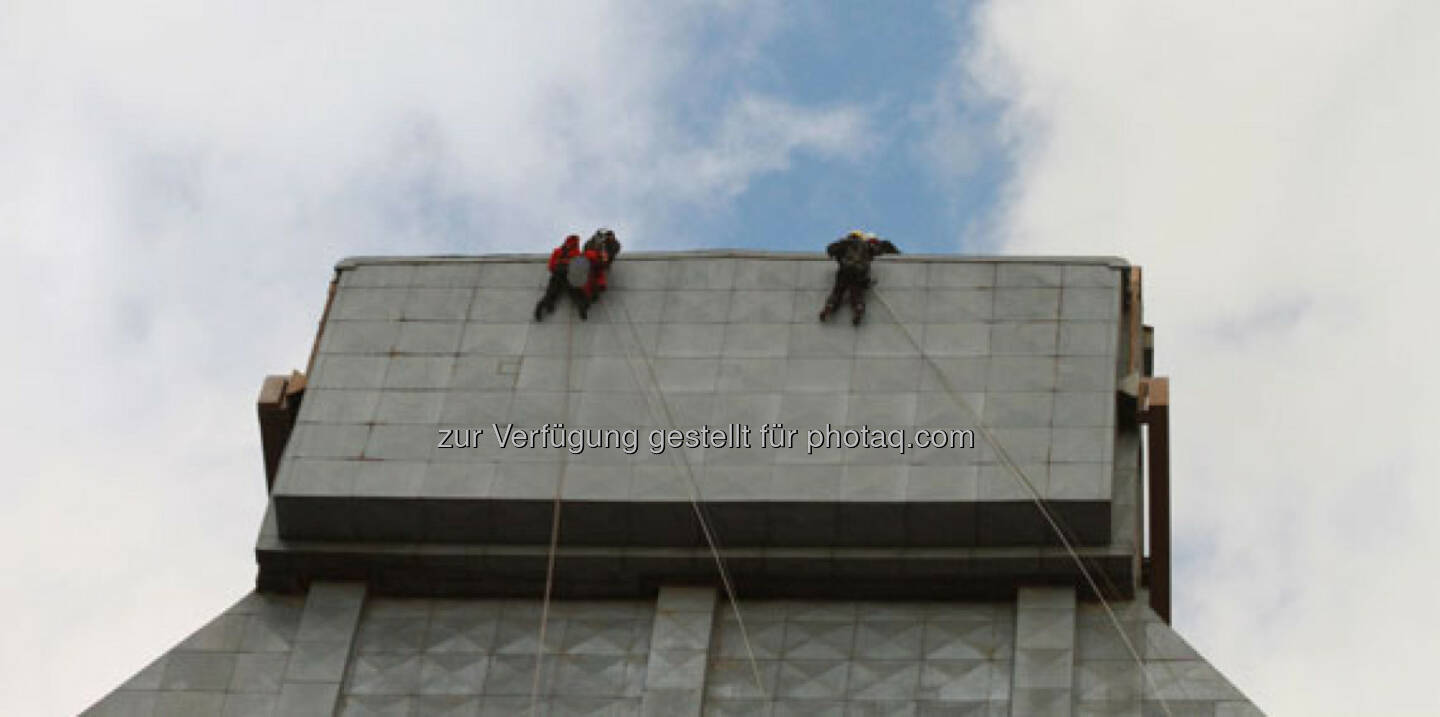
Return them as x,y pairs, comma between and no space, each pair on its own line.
612,572
673,523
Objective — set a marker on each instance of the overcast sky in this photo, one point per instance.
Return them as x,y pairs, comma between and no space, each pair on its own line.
177,180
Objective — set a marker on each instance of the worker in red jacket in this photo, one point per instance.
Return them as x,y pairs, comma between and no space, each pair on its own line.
566,257
601,249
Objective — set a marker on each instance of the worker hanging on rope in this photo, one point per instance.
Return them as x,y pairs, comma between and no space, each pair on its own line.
604,247
853,253
570,273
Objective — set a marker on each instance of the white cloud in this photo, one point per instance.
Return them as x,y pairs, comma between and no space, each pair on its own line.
1270,166
177,179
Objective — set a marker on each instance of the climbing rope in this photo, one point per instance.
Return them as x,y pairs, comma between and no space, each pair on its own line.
554,532
706,529
1035,497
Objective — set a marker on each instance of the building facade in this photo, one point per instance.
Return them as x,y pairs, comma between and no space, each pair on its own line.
702,500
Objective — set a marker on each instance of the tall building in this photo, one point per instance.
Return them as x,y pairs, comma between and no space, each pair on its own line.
978,549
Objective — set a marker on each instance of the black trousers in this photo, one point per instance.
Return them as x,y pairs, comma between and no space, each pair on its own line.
853,282
558,285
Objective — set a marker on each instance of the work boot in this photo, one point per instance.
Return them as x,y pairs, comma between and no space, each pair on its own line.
825,313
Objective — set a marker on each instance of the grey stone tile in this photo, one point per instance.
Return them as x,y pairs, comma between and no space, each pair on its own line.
344,371
813,679
1021,373
941,483
765,274
819,374
1107,681
812,410
401,442
317,661
818,640
1028,274
1024,338
1081,445
427,372
375,706
390,275
258,672
1041,702
883,374
1043,668
250,705
1090,304
756,340
686,374
526,274
597,482
368,304
495,338
384,674
815,275
1088,338
957,339
512,306
327,440
198,671
359,337
965,638
1075,409
883,679
272,628
602,374
751,374
999,482
421,406
1079,481
452,673
444,706
1024,445
880,409
956,680
691,340
429,304
338,406
884,340
675,669
491,373
695,306
889,640
448,275
953,306
1027,304
400,634
429,337
961,274
189,704
831,340
639,307
900,274
702,274
1080,275
667,702
1019,409
887,305
762,307
1050,628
